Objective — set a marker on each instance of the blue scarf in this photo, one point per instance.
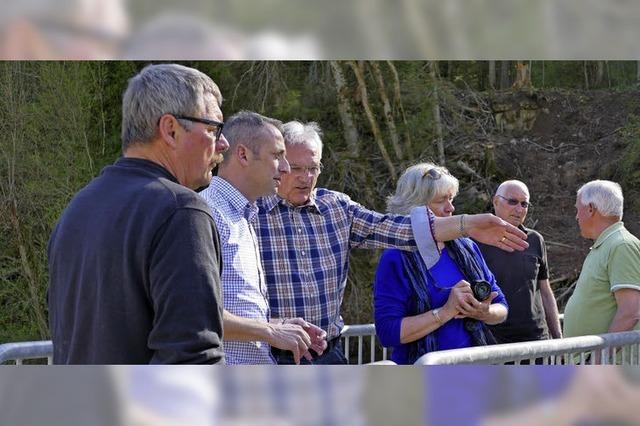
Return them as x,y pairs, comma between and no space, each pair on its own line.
465,258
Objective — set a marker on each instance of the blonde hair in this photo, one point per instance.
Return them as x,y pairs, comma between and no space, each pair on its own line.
416,187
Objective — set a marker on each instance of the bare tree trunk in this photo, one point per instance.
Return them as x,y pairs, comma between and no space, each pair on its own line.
492,74
599,73
388,113
586,75
372,121
433,65
504,75
638,71
608,74
397,99
523,76
344,108
542,73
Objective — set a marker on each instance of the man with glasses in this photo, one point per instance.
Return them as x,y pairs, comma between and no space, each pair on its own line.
254,167
134,261
522,276
306,234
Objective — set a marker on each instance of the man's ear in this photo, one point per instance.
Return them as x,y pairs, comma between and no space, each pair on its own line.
494,202
167,127
592,209
243,154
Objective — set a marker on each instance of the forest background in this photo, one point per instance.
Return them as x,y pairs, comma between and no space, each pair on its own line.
552,124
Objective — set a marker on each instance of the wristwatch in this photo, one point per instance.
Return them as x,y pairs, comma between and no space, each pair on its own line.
436,313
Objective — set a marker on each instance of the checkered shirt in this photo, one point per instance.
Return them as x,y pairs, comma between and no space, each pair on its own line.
305,252
243,284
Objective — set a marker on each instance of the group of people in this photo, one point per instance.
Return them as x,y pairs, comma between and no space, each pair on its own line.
158,261
420,309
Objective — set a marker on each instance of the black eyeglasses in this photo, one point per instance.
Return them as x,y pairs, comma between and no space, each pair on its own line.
432,174
514,202
218,125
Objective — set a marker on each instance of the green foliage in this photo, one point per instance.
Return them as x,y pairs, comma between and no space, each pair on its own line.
628,173
60,125
56,137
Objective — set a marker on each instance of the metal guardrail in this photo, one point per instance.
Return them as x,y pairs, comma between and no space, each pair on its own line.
610,348
360,332
18,352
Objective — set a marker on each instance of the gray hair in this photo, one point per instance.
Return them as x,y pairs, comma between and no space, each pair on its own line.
297,133
606,196
162,89
416,188
247,128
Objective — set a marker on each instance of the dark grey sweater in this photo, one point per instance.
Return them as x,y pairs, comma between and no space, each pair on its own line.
134,272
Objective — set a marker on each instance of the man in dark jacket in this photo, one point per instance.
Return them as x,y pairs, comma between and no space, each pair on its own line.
134,261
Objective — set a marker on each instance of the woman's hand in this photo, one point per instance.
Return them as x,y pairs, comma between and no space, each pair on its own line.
460,299
479,310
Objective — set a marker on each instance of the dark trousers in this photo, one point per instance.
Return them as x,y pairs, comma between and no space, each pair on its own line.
334,354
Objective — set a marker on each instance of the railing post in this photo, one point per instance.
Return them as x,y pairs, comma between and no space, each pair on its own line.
373,348
346,348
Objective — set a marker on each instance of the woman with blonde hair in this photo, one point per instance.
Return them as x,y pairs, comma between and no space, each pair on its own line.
420,310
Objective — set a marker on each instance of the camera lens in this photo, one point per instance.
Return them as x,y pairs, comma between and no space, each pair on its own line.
481,290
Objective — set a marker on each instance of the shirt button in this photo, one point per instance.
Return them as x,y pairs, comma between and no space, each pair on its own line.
299,230
302,252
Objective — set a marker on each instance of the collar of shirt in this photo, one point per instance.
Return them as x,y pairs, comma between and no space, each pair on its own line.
234,197
606,234
269,202
147,165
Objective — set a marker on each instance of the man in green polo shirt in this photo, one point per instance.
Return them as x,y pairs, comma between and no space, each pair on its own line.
607,295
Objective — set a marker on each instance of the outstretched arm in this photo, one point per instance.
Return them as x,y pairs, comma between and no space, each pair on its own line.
486,228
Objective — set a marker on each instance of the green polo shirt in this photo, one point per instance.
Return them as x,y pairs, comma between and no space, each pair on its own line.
613,263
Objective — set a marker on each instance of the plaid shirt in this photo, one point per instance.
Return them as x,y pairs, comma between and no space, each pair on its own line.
243,285
305,252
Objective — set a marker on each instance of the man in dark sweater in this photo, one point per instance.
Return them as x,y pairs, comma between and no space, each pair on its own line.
523,276
134,261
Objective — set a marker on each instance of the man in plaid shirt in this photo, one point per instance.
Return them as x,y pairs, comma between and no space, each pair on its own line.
306,233
253,167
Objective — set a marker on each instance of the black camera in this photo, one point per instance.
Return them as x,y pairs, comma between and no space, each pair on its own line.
481,290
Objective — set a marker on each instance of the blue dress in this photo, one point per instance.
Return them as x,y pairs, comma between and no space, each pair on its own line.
394,299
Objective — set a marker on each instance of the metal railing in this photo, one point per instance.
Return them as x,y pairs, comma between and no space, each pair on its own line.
611,348
360,332
18,352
